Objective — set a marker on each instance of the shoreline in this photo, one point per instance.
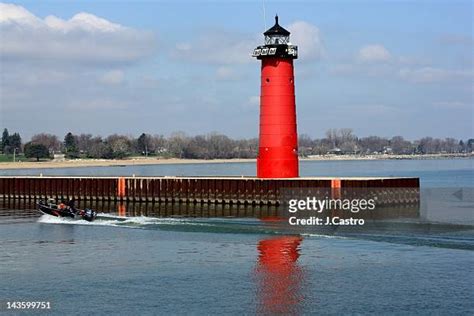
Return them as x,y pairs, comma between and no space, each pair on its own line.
77,163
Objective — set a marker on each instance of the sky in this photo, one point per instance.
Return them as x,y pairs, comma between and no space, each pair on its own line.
382,68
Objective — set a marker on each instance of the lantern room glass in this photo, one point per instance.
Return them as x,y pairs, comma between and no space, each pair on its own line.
276,39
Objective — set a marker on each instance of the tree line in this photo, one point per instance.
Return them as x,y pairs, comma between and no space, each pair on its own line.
218,146
344,141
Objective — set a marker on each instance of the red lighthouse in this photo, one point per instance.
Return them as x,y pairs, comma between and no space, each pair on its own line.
278,139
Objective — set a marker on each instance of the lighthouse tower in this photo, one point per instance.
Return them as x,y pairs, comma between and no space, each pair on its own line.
278,139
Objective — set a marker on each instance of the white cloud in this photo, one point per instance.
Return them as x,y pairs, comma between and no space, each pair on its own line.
217,47
230,73
85,38
373,53
11,13
252,103
254,100
183,47
113,77
430,74
413,61
376,70
379,109
225,73
97,104
308,39
84,21
343,69
223,47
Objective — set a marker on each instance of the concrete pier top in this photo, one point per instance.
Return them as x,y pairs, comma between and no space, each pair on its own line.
212,177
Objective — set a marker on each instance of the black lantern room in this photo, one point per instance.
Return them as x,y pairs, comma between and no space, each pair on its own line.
277,44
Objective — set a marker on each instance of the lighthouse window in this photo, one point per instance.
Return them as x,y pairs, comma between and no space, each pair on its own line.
267,80
276,39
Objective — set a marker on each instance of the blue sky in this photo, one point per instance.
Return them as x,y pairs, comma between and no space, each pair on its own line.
379,67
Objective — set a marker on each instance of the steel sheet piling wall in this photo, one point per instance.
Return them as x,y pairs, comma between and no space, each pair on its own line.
211,190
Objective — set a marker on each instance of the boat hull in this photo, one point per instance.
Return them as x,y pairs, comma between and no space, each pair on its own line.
53,210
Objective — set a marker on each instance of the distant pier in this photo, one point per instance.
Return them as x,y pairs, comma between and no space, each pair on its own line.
200,190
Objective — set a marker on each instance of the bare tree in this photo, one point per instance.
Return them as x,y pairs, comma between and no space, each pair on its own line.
50,141
197,148
401,146
119,145
425,145
97,148
332,137
451,145
84,142
373,144
345,135
215,145
158,143
176,144
322,146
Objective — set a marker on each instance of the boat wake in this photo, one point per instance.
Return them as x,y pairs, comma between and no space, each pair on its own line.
111,220
448,236
214,225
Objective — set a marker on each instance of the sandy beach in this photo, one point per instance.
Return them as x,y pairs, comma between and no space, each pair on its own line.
155,161
106,163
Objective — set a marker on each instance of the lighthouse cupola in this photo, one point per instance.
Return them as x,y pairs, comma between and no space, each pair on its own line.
277,43
278,138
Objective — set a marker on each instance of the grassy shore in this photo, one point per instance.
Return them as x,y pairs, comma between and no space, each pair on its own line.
155,161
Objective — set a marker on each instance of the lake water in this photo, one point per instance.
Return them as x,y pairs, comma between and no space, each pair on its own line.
433,173
420,263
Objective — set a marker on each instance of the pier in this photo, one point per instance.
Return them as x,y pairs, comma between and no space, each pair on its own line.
203,190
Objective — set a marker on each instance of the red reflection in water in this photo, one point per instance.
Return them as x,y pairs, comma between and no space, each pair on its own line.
121,210
272,219
279,275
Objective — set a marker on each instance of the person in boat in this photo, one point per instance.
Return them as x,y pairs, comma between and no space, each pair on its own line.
70,205
67,206
62,205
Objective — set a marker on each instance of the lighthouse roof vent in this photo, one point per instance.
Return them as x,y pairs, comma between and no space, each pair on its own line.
276,30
